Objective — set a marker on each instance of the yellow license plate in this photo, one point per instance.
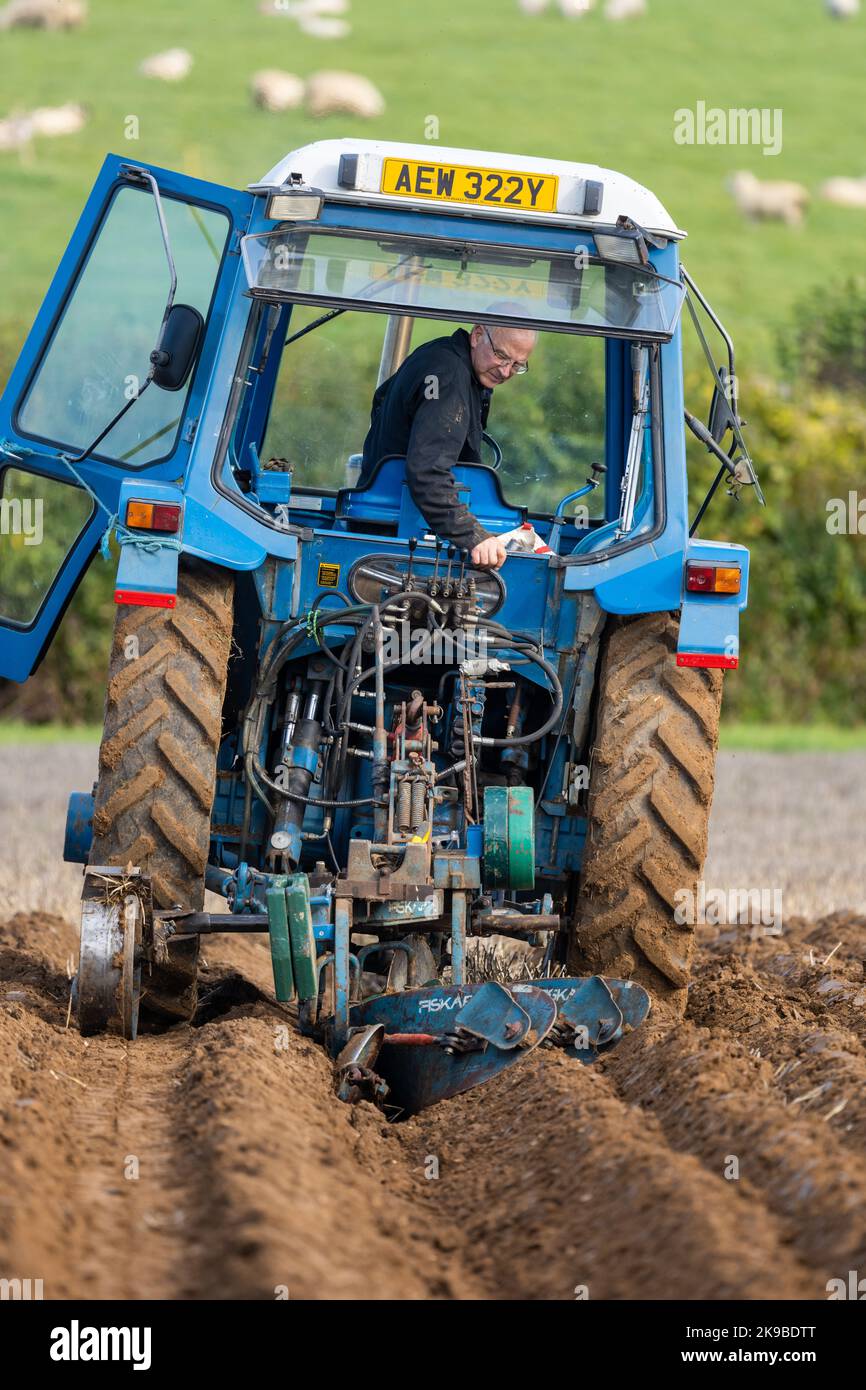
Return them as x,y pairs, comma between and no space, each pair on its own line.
456,183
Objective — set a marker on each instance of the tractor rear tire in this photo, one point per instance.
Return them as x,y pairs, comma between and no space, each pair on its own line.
158,759
651,779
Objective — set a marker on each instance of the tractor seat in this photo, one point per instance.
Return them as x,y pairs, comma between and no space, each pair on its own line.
385,500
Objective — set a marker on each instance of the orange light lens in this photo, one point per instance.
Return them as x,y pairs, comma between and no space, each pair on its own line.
727,580
139,514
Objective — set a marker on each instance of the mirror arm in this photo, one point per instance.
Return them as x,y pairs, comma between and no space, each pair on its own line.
135,172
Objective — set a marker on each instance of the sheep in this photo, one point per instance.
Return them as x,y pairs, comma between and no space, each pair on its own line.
842,9
624,9
43,14
532,6
18,130
277,91
329,92
171,66
303,8
574,9
16,133
785,202
321,27
58,120
845,193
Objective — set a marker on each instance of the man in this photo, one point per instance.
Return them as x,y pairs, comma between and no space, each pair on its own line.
433,410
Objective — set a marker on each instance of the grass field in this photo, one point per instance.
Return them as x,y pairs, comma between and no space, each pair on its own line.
767,738
494,78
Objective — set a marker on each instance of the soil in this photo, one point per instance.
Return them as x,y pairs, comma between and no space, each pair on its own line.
720,1157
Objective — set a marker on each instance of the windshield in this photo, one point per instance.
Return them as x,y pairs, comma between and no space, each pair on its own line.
549,423
573,292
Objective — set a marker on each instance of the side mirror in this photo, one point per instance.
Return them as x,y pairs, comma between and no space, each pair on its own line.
722,409
173,359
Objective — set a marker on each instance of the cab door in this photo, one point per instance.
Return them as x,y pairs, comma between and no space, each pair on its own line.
88,355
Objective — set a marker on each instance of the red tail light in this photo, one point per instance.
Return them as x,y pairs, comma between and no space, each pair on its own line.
153,516
712,579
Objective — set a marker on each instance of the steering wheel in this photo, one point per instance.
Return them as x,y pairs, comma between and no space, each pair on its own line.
497,452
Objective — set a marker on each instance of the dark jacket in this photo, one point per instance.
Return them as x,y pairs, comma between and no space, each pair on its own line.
432,411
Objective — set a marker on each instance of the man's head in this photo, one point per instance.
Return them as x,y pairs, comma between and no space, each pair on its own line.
496,351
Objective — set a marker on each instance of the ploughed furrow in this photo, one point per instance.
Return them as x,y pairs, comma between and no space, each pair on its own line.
800,1002
824,965
94,1183
651,784
319,1199
717,1102
558,1189
214,1160
205,1162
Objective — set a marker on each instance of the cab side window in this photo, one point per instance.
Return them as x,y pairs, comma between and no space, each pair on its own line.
40,518
98,355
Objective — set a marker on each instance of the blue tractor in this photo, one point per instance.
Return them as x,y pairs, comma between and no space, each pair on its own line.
395,764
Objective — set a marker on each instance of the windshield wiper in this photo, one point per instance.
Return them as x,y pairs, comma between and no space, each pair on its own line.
317,323
374,285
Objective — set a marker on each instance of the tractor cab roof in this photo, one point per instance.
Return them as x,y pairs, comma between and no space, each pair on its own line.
502,186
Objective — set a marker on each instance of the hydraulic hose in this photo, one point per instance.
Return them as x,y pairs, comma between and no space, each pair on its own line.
549,722
307,800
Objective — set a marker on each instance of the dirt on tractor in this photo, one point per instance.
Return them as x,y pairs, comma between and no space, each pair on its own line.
720,1157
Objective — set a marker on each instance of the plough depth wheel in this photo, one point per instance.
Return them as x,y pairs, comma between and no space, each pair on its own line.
109,971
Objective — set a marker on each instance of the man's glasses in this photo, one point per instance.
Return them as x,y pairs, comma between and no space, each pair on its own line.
518,368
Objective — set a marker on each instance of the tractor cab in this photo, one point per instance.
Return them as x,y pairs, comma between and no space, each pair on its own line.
373,234
215,352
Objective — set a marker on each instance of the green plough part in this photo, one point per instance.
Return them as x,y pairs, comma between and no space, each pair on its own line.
509,837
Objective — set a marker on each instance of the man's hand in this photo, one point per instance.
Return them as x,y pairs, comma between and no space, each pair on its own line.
489,554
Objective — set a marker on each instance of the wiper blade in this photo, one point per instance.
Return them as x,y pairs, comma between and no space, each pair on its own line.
317,323
335,313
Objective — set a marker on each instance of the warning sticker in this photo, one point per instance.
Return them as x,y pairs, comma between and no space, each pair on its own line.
329,575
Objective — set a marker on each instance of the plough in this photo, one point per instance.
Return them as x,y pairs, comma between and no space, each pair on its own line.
405,1040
